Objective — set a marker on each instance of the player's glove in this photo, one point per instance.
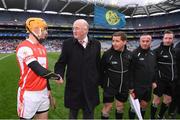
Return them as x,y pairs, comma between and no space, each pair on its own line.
52,76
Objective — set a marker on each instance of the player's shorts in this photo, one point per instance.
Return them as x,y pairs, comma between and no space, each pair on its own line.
31,102
164,87
143,94
108,96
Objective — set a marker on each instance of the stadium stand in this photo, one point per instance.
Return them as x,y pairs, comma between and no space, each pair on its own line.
60,28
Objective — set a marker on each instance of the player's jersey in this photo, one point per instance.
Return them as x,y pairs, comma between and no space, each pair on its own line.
27,52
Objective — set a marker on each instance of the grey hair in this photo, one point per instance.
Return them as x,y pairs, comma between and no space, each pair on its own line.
83,21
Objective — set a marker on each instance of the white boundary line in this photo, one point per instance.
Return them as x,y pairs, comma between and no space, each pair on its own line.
1,58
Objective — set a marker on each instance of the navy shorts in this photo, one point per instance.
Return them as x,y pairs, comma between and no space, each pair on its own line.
109,96
143,94
164,87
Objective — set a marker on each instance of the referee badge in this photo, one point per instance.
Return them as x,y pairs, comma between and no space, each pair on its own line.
114,62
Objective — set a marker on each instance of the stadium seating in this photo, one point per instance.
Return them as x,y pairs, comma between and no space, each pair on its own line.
60,28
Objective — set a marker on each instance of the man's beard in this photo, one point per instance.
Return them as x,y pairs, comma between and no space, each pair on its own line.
41,40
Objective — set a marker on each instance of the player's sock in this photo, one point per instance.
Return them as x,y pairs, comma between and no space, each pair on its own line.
172,115
163,109
143,111
131,113
153,110
104,115
119,114
172,110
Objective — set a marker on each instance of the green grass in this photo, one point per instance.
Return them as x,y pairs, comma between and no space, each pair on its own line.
9,76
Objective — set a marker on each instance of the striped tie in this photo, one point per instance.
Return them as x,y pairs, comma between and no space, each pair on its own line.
81,42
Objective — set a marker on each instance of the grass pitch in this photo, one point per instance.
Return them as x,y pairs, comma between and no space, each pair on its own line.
9,76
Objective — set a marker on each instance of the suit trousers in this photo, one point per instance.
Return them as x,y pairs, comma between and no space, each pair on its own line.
87,114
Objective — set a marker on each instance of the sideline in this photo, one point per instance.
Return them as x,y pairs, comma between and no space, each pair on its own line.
1,58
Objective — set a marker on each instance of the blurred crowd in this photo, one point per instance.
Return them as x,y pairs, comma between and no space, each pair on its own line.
9,45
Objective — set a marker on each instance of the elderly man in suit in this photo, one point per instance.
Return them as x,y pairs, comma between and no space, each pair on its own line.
81,56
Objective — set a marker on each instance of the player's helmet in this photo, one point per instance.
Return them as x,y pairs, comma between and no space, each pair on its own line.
33,23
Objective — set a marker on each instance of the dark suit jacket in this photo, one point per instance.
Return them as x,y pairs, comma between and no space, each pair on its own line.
177,50
82,75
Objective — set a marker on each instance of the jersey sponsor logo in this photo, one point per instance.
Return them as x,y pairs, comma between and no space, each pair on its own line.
25,53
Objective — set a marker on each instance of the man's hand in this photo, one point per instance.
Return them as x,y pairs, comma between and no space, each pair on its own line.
131,91
60,81
52,101
154,85
57,78
54,76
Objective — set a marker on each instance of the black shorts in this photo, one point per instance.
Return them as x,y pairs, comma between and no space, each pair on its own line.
108,96
143,94
164,87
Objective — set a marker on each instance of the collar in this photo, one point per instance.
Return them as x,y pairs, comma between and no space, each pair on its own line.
85,39
125,48
30,41
143,50
166,47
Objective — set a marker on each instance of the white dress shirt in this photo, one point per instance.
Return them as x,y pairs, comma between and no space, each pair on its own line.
84,42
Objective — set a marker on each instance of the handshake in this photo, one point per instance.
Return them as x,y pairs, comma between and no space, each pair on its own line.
57,77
